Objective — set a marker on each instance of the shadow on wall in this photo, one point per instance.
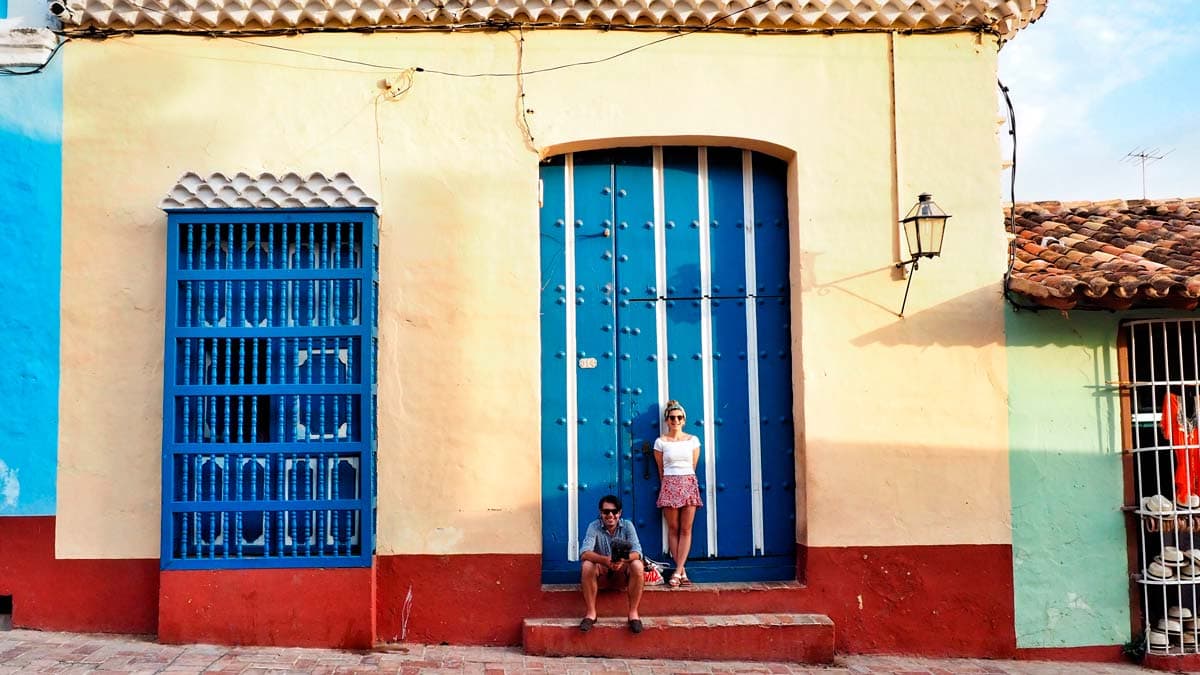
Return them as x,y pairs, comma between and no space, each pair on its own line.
954,322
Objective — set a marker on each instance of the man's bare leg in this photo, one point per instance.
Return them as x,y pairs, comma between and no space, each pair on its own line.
589,585
637,582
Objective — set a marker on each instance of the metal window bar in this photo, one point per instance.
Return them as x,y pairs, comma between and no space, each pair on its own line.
269,397
1164,366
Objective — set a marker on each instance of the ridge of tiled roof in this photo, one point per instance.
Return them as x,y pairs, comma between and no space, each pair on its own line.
1113,254
265,191
1005,17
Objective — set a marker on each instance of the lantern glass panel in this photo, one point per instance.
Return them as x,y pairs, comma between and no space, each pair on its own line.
924,228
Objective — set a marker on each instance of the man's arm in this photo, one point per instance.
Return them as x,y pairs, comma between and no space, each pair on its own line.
587,549
635,544
592,556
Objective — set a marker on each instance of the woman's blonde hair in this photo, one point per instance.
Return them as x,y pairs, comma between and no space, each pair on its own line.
673,405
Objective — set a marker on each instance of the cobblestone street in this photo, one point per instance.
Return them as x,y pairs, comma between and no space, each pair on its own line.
24,651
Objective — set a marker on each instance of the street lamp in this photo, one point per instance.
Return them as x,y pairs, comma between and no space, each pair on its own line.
924,228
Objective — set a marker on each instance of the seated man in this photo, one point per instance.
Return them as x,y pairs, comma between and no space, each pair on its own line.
602,569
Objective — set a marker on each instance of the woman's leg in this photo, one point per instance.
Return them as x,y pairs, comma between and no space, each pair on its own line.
672,517
683,543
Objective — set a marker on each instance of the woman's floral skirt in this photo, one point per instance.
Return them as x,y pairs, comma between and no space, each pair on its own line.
678,491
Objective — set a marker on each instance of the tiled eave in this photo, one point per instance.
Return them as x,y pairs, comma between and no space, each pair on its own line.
265,191
1004,17
1108,255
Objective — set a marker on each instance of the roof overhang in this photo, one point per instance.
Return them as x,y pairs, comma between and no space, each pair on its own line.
1111,255
1002,17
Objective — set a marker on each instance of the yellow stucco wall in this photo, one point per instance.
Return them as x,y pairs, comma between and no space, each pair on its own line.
904,433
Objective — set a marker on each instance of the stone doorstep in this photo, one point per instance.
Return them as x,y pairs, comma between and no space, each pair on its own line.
775,597
795,638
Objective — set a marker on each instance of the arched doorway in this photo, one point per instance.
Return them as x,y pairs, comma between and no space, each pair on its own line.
665,275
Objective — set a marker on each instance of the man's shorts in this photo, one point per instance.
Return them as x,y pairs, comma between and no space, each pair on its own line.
614,580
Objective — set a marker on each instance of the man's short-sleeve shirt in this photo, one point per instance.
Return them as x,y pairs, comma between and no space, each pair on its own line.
598,540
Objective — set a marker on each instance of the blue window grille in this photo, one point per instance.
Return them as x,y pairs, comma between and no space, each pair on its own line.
269,405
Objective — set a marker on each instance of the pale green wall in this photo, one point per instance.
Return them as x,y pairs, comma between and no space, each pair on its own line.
1069,562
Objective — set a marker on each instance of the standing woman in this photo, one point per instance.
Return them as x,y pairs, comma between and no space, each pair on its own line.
677,454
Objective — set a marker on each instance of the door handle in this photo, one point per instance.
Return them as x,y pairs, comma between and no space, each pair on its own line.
647,456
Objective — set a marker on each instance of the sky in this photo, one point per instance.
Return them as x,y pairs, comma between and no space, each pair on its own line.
1095,80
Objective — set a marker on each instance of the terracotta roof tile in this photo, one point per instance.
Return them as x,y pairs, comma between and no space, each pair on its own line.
1114,254
1004,17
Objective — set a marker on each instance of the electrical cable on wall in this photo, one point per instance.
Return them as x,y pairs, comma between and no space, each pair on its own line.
524,110
1011,226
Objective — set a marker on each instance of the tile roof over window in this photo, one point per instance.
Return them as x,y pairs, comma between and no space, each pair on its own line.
265,191
1112,255
1005,17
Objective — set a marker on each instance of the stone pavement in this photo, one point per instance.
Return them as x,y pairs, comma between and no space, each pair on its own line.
25,651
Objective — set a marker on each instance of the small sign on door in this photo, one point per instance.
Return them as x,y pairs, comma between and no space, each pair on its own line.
589,362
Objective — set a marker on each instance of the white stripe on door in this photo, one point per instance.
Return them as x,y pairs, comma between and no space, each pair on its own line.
756,496
660,305
706,370
572,385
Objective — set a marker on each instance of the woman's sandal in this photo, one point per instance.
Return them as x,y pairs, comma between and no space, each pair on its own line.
683,580
674,581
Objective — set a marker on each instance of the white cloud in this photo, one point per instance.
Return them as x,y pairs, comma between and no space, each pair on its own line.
10,487
1068,74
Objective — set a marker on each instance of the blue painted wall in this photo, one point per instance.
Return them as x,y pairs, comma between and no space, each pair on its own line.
30,245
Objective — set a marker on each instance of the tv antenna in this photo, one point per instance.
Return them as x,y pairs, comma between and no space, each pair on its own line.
1143,156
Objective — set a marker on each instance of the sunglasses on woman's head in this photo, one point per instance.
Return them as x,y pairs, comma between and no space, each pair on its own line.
610,512
675,417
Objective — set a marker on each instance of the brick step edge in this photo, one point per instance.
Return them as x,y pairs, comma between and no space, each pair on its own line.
793,638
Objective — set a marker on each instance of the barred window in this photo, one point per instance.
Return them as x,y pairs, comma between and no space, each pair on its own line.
269,408
1163,411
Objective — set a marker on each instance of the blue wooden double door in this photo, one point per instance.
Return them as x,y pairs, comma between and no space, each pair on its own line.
665,276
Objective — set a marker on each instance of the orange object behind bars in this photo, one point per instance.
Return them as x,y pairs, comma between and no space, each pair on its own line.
1185,436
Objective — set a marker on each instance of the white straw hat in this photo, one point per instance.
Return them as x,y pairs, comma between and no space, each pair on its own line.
1170,625
1172,555
1157,504
1179,612
1192,501
1157,640
1159,571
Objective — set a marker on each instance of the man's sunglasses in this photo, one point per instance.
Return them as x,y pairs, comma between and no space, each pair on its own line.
610,512
675,417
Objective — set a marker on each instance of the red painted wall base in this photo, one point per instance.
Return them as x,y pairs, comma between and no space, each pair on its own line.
95,596
929,600
284,607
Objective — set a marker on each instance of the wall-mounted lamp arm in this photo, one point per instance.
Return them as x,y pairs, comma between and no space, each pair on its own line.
915,262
